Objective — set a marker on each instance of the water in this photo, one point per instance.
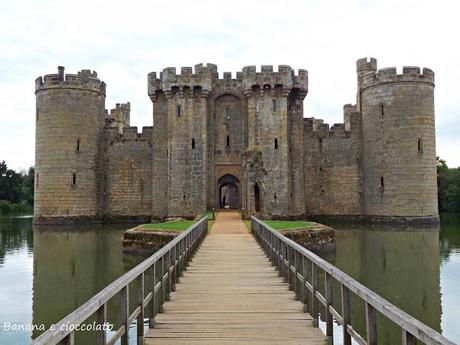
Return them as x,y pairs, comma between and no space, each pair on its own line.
47,273
417,270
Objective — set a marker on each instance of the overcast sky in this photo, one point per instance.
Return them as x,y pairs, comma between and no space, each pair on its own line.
124,40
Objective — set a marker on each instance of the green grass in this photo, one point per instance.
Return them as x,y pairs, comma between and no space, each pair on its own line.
247,222
282,225
175,226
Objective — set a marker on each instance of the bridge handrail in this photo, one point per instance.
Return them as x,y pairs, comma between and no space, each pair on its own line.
292,261
172,259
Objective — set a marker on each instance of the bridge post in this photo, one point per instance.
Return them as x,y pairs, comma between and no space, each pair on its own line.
101,315
346,315
154,298
371,325
329,319
125,314
140,303
314,301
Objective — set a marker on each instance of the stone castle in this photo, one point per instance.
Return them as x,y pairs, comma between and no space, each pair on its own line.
236,142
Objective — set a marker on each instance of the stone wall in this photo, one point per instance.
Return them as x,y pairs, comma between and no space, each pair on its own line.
128,173
332,167
399,155
70,113
379,163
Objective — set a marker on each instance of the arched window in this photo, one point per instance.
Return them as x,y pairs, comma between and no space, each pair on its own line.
193,143
420,145
228,140
276,143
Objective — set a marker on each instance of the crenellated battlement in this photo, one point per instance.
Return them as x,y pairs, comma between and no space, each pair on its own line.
83,80
267,78
168,79
390,75
204,77
366,65
129,134
317,127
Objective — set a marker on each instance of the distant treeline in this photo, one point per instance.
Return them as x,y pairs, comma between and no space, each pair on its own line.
448,187
16,189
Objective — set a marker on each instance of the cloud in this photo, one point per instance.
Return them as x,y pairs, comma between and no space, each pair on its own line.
124,41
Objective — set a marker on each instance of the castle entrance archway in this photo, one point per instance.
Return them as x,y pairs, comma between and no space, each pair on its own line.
228,192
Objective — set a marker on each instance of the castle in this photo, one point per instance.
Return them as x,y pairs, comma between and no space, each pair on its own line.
236,142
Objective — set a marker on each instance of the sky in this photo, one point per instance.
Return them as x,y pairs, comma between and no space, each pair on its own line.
125,40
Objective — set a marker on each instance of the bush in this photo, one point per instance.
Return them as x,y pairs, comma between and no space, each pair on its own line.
5,207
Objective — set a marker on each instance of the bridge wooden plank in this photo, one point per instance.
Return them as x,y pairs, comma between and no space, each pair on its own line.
231,294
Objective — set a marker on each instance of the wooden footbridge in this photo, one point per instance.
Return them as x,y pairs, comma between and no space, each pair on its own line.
239,288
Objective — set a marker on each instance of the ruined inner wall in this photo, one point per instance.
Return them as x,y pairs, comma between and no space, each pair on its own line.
69,121
128,173
399,157
332,164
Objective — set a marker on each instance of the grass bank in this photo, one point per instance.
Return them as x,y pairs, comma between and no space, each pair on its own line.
284,225
177,225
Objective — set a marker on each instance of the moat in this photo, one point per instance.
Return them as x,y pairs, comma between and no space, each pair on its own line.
46,274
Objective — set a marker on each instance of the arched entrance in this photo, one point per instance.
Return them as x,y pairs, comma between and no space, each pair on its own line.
228,192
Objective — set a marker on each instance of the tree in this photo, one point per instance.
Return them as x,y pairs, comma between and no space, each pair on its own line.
448,187
28,182
10,184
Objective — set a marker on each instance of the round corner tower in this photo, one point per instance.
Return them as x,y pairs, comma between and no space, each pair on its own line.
399,156
70,113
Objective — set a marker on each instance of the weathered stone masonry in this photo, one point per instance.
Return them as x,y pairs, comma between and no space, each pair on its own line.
240,142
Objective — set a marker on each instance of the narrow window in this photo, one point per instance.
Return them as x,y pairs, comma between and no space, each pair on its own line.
382,184
276,143
193,143
178,111
420,145
36,113
228,140
78,145
320,144
74,179
274,196
274,105
37,178
382,110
